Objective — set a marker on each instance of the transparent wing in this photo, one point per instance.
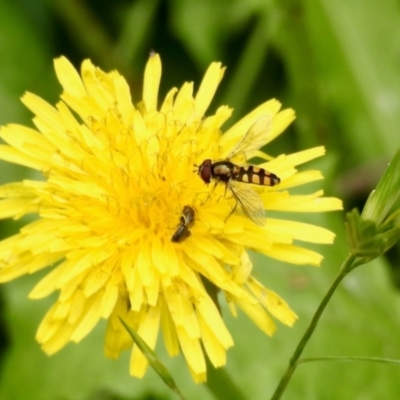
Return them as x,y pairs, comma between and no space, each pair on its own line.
254,138
249,202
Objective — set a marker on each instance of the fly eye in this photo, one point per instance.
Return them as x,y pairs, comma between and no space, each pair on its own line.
205,174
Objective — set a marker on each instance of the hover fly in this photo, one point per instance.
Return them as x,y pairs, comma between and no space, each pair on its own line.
231,174
186,221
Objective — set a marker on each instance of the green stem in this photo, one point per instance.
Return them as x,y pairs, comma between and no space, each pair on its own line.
221,384
136,31
380,360
346,267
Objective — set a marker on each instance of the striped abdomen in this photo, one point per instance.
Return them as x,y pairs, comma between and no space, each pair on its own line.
254,175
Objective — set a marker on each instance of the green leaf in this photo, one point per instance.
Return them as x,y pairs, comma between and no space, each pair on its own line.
358,72
136,30
385,199
363,237
25,59
222,385
380,360
350,96
153,360
215,22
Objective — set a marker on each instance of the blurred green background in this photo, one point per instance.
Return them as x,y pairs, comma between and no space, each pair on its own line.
337,64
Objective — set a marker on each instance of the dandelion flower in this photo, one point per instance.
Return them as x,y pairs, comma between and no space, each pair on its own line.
117,176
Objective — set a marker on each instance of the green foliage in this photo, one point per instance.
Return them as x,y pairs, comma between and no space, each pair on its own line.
153,360
364,238
383,204
378,228
335,63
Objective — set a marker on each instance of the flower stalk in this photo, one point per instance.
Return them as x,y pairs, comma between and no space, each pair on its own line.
294,360
369,235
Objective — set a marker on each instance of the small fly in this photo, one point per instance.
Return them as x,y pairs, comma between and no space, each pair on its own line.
230,174
186,221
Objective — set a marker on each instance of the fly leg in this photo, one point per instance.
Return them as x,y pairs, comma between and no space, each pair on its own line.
232,211
208,195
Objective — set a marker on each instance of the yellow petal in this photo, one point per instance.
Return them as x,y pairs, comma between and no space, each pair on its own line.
148,331
207,89
152,77
293,254
191,348
215,351
258,315
69,77
299,231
